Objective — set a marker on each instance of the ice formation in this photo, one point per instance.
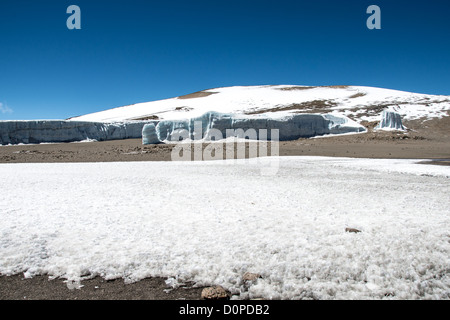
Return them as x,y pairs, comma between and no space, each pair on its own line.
149,135
291,127
41,131
390,120
215,126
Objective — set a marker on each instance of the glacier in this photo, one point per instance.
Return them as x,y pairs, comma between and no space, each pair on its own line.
390,120
206,126
215,126
53,131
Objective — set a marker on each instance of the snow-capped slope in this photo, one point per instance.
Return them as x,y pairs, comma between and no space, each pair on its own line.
358,103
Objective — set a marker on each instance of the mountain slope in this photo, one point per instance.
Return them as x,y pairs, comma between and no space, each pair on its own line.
362,104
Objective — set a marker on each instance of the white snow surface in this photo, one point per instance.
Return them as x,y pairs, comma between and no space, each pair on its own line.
351,101
210,222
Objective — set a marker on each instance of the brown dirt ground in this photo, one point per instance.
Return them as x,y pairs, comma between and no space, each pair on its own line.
370,145
41,288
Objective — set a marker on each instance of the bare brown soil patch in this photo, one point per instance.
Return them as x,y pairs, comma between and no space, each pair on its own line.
41,288
199,94
295,88
315,106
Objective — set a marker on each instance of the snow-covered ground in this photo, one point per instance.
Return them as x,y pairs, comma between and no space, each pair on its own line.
352,101
210,222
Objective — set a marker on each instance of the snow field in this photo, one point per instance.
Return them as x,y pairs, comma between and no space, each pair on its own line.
210,222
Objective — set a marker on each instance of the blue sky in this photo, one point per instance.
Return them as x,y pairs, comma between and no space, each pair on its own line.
136,51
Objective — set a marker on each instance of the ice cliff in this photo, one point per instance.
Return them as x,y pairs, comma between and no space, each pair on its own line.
390,120
209,126
41,131
215,126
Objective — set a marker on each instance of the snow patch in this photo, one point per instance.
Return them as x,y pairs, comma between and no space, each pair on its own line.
211,222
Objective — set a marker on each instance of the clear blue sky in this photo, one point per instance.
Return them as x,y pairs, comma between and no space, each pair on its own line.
136,51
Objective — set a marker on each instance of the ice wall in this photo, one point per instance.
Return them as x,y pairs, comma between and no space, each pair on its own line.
215,126
291,127
149,135
390,120
39,131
